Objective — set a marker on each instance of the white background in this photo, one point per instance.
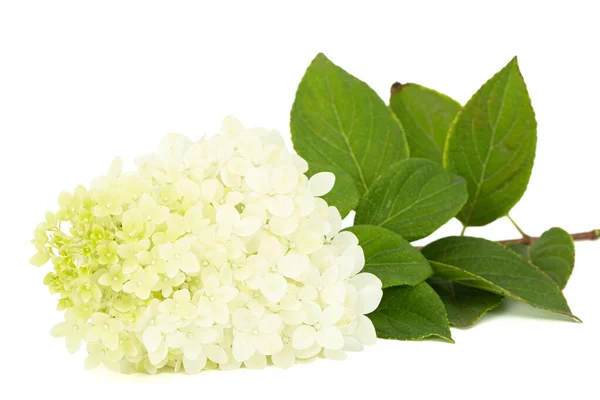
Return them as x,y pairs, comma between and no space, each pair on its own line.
81,82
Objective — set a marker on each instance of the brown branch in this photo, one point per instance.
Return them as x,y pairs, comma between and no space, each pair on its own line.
527,240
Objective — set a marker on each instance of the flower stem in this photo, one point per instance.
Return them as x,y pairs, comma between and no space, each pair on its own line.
527,240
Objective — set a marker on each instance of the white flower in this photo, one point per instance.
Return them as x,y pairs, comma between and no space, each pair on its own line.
255,334
219,253
105,329
198,347
74,329
213,298
158,327
179,257
319,327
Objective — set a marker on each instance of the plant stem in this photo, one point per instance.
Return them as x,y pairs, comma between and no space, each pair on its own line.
527,240
517,227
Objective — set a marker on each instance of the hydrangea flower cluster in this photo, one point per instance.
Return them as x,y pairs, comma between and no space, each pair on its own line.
214,254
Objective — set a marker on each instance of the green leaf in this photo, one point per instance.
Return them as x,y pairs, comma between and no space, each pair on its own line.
413,199
390,257
339,124
554,253
492,144
465,305
490,266
411,313
426,116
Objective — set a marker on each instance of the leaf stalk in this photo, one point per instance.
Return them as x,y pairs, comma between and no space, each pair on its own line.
581,236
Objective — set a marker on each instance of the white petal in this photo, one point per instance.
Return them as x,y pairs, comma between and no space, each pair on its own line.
227,215
365,331
304,336
331,315
269,323
309,353
268,344
284,359
330,276
308,242
284,179
368,299
157,357
305,204
258,180
352,344
189,263
281,206
152,338
215,353
300,163
207,335
313,312
335,220
270,250
349,328
194,366
344,239
209,189
243,347
173,147
321,183
192,349
334,294
337,355
239,166
116,167
244,320
247,226
220,313
364,280
225,294
231,126
293,265
257,361
62,329
283,226
292,317
330,338
230,179
273,286
356,253
166,323
73,344
175,340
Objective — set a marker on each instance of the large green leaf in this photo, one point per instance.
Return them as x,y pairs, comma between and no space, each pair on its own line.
390,257
426,116
490,266
492,144
339,124
464,304
553,253
413,199
411,313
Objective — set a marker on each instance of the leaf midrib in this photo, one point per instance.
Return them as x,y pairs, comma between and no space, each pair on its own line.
344,135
